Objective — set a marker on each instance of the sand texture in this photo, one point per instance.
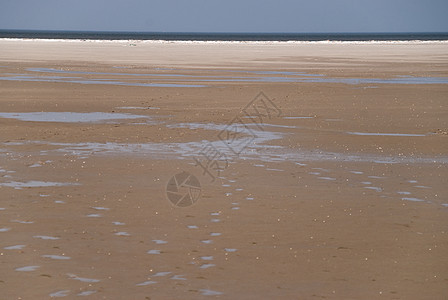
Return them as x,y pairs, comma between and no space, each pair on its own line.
317,171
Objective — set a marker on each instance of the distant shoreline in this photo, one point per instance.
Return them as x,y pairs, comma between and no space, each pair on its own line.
222,37
132,42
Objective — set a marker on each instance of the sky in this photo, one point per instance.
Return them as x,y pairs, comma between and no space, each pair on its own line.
299,16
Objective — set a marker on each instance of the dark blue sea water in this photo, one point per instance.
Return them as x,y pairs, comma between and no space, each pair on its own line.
185,36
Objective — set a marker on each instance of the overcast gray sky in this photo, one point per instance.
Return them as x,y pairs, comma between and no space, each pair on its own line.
227,15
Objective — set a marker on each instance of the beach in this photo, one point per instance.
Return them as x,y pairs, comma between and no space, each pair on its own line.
322,170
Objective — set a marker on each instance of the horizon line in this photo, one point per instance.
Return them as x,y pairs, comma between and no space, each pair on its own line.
225,32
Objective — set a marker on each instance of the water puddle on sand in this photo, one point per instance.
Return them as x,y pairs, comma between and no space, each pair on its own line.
384,134
412,199
230,249
207,241
206,266
160,242
100,208
33,184
327,178
257,148
74,277
57,257
403,193
81,80
207,257
192,227
378,189
71,117
60,294
62,71
118,223
137,107
161,274
28,268
205,292
86,293
178,277
45,237
321,169
122,233
153,252
5,229
94,216
295,118
275,126
15,247
22,222
146,283
222,76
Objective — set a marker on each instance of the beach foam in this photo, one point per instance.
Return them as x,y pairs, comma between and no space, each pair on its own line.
325,42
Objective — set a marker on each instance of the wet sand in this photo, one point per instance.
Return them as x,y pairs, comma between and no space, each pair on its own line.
337,191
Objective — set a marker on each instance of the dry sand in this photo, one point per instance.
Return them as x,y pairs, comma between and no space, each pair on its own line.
306,211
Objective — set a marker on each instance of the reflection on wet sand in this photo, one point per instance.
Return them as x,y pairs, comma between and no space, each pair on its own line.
256,150
34,184
160,79
71,117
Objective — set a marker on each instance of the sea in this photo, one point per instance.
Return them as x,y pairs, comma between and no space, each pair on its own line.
193,36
